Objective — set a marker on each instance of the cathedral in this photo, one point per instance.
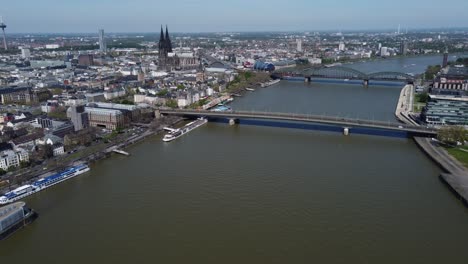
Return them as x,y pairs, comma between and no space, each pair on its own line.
168,61
174,59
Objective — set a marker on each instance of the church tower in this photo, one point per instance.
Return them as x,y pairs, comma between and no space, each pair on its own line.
166,62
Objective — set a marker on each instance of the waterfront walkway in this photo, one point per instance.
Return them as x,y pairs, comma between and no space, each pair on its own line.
405,105
455,175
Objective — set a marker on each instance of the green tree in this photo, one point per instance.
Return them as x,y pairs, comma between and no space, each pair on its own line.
171,103
180,87
452,134
423,97
163,92
431,71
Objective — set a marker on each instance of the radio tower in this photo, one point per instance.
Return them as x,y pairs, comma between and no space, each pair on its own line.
3,26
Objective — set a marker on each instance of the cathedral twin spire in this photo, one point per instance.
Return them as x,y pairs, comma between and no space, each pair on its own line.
165,44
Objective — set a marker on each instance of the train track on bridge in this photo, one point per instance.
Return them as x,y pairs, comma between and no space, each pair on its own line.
329,120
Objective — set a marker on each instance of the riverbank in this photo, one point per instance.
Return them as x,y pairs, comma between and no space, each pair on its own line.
455,174
91,154
405,106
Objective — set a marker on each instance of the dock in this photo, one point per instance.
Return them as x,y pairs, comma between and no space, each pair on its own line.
455,175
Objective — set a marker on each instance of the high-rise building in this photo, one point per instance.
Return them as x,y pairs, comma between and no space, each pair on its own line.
404,47
341,46
299,45
78,117
25,53
102,41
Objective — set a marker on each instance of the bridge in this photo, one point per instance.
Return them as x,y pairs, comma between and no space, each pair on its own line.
347,124
340,72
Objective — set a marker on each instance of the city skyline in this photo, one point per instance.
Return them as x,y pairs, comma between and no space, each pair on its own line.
51,16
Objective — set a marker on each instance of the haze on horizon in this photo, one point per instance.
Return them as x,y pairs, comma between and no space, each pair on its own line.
58,16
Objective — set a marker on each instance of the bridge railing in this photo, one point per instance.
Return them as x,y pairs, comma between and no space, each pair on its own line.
302,117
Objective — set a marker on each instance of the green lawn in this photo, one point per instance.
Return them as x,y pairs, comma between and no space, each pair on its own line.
459,154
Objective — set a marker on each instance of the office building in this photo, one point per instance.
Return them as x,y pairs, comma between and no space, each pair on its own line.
299,45
78,117
446,110
404,48
106,118
102,41
25,54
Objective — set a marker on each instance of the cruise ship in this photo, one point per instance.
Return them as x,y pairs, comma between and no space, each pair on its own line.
42,184
176,133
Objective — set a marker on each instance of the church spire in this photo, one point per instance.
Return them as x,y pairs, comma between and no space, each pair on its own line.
168,41
161,37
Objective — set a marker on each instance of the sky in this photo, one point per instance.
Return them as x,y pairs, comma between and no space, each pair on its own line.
84,16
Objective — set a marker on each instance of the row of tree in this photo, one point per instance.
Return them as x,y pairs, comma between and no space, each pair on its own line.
452,135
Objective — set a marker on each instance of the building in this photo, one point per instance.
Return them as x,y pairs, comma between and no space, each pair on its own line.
23,95
445,60
85,60
446,110
131,112
13,158
404,48
299,45
341,46
168,60
78,117
106,118
102,41
25,53
52,46
452,78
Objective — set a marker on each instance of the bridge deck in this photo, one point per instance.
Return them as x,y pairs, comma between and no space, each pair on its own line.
345,122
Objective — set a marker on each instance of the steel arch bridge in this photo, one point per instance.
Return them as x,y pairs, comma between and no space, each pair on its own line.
340,72
337,71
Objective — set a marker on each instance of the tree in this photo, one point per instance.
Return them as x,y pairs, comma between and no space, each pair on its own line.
163,92
180,87
171,103
423,97
431,71
59,113
452,134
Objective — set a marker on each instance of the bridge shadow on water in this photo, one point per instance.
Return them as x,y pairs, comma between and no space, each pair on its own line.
315,126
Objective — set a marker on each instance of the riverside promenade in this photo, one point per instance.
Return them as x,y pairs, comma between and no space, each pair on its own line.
455,175
405,105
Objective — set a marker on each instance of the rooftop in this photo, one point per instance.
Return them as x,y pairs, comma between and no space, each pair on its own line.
10,209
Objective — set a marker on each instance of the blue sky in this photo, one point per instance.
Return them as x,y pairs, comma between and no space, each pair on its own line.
229,15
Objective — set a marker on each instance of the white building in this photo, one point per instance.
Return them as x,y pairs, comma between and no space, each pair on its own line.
13,158
52,46
58,149
25,54
299,45
341,46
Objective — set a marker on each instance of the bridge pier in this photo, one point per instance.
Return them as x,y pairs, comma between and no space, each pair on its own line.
346,131
233,121
157,114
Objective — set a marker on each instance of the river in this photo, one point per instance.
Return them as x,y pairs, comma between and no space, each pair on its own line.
248,194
